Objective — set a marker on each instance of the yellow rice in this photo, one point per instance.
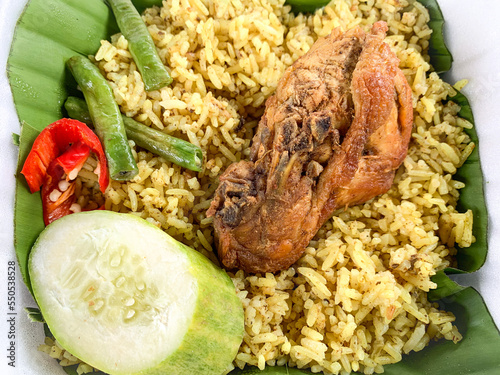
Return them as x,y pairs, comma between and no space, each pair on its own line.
356,300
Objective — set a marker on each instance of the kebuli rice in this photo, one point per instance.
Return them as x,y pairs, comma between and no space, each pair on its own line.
357,299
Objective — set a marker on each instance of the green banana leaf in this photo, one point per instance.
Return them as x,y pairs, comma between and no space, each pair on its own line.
476,354
54,30
472,258
441,58
472,196
28,207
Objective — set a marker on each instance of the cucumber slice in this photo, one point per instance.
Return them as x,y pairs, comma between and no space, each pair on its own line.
123,296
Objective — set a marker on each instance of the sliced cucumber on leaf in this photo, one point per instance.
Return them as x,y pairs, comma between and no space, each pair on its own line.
126,298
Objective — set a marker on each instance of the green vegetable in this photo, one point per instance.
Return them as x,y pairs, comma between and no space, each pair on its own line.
126,298
77,109
106,116
306,6
170,148
141,45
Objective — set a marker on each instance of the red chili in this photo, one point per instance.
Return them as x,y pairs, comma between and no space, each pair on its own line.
62,149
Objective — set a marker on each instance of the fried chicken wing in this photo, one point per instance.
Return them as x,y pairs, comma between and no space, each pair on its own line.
331,136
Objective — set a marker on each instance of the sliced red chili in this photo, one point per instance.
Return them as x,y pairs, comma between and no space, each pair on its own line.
62,149
60,206
74,157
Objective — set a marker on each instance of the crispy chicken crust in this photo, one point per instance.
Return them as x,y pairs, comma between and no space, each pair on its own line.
332,136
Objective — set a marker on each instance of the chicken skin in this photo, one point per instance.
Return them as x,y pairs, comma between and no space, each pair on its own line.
332,136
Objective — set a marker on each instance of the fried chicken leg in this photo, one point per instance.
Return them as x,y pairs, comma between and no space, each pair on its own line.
332,136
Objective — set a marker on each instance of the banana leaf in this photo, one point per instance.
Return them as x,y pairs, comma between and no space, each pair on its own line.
472,196
472,258
53,30
28,207
441,58
476,354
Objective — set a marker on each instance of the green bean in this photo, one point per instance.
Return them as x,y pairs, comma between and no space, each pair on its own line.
106,117
306,6
140,44
170,148
77,109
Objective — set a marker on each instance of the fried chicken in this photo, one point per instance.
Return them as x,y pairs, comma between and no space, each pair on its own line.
332,136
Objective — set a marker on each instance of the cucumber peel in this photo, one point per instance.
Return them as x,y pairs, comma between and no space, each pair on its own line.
126,298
